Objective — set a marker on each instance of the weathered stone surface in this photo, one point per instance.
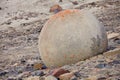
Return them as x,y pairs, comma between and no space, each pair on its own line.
71,36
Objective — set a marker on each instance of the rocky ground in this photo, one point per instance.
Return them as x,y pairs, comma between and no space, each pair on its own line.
20,24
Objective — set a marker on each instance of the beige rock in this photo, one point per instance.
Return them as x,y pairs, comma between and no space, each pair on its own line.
112,52
70,36
113,35
66,76
50,78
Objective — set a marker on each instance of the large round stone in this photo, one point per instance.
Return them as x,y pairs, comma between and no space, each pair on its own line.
70,36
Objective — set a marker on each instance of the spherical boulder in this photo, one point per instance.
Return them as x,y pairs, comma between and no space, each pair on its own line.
70,36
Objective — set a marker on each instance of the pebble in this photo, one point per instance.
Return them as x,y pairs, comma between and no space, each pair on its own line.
24,74
29,68
112,35
100,65
50,78
55,8
66,76
77,74
23,61
44,67
19,69
38,66
75,2
37,73
12,78
58,72
116,62
3,73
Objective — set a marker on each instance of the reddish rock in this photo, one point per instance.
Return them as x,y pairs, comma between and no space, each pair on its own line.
58,72
55,8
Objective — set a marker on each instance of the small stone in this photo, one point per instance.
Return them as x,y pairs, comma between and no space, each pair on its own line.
66,76
55,8
32,78
14,65
44,67
113,35
23,61
24,74
100,66
74,78
3,73
19,69
114,62
77,74
28,68
75,2
38,66
50,78
11,78
37,73
117,41
59,71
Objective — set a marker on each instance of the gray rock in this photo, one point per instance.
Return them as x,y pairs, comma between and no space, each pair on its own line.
37,73
3,73
101,65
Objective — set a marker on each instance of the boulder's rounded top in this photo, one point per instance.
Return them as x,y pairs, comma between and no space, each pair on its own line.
63,13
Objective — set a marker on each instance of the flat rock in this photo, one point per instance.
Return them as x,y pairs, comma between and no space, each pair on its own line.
113,35
112,52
